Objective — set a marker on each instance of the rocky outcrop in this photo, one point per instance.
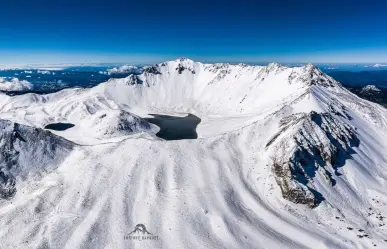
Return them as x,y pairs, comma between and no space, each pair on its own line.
152,70
7,185
26,151
180,68
339,109
310,75
133,80
291,189
309,144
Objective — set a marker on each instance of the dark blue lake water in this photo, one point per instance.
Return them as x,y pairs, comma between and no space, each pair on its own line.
59,126
175,128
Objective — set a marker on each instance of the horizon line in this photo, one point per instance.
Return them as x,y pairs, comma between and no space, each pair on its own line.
70,64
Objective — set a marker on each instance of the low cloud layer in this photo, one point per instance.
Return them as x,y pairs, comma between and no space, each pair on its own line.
376,65
125,69
14,85
380,65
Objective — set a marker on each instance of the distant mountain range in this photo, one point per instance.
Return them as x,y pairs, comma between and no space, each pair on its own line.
84,76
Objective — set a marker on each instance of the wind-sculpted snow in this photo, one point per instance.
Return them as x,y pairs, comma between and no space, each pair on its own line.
221,190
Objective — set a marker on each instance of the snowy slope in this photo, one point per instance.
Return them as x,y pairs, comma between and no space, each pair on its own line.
286,158
27,152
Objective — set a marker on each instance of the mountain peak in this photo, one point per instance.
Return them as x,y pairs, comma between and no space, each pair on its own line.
310,67
182,59
274,66
312,75
370,88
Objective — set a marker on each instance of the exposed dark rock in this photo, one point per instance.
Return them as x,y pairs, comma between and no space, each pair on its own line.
152,70
133,80
7,185
20,147
180,68
339,110
310,76
318,141
292,190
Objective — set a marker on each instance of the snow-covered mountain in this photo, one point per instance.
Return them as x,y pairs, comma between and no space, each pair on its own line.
372,93
370,89
285,158
27,152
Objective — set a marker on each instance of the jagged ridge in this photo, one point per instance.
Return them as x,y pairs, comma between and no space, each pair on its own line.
25,151
315,143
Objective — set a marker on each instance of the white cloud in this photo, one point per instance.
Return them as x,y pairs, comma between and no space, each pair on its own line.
44,72
125,69
379,65
52,68
14,85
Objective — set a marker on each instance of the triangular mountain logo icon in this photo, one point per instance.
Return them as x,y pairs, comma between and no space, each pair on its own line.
140,228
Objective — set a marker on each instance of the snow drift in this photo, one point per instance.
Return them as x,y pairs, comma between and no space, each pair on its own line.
285,158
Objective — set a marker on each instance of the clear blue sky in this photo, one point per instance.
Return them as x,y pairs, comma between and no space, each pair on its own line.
149,31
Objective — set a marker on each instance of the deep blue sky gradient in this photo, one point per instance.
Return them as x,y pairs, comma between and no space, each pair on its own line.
236,31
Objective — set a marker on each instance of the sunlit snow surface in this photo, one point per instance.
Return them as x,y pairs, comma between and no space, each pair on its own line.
217,191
